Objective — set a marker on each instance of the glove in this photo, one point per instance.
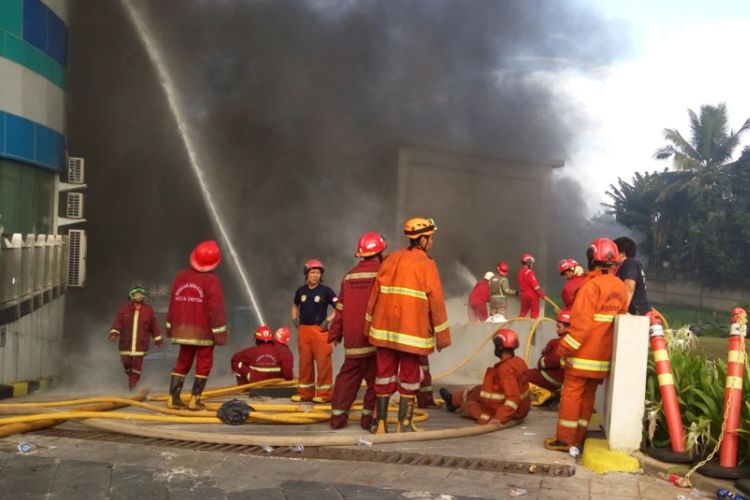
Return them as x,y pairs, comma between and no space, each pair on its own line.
295,321
234,412
443,339
113,336
324,325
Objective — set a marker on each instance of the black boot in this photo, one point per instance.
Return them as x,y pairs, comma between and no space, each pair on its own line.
447,399
380,426
175,388
195,398
406,414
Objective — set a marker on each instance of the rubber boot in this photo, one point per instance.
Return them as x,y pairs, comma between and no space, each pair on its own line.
175,388
447,399
366,420
406,414
380,425
195,399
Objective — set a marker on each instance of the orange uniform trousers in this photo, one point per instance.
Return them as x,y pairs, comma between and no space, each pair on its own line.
314,355
471,405
529,303
576,407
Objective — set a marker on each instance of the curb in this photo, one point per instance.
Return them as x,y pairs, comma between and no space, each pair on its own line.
18,389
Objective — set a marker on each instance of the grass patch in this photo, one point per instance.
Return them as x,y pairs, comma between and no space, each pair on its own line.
702,322
715,348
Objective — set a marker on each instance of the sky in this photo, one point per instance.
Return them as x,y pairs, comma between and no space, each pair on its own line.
681,55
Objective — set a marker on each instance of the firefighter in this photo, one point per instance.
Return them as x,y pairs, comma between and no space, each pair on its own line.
262,361
425,397
405,319
309,315
478,299
548,374
529,288
134,325
573,273
196,321
504,393
499,291
281,338
587,347
347,325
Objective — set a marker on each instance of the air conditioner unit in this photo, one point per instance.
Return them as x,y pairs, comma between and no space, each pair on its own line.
76,170
76,257
74,206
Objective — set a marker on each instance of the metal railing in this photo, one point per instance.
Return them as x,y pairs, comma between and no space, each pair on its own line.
30,266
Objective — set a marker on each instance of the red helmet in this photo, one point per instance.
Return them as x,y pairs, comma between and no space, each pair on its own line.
506,338
603,250
282,335
563,316
370,244
205,257
502,268
566,265
313,264
527,257
264,333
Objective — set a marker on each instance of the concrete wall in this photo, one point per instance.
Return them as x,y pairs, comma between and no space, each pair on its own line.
681,292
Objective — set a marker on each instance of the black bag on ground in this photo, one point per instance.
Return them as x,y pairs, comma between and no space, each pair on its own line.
234,412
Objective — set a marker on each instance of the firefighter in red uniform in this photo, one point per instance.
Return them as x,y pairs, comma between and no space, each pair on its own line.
425,398
405,319
479,297
548,373
196,321
587,347
262,361
309,309
134,325
347,324
281,338
573,273
504,393
528,287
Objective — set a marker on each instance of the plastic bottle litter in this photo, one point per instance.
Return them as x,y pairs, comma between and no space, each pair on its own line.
298,448
25,447
363,442
723,493
517,492
266,448
574,451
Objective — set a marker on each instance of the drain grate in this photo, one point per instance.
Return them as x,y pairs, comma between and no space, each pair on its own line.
329,453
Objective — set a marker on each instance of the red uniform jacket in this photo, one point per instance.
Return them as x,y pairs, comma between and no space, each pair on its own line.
569,290
263,362
349,320
196,310
135,328
478,299
505,391
528,284
549,363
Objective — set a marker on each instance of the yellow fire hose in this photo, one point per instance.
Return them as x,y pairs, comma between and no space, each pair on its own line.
553,304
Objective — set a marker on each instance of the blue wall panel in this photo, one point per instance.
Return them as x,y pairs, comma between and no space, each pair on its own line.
57,38
19,137
35,23
31,142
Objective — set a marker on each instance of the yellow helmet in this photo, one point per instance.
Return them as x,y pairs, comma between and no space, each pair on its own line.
417,226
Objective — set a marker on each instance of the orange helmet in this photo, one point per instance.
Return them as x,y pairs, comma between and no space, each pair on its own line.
506,338
370,244
603,251
563,316
264,333
205,257
417,226
526,258
567,265
282,335
313,264
502,268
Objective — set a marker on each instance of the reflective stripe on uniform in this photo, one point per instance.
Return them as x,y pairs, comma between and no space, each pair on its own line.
202,342
542,364
549,378
304,386
484,416
354,351
219,329
400,290
366,413
169,325
402,338
666,379
368,317
583,423
135,329
324,387
604,318
570,424
157,339
132,353
385,380
589,364
339,412
114,330
497,396
510,403
408,386
340,306
359,276
661,355
426,388
265,369
571,342
441,327
425,368
239,365
734,383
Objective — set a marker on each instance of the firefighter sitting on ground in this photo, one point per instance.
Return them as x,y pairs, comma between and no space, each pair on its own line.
134,325
546,379
504,393
263,361
499,291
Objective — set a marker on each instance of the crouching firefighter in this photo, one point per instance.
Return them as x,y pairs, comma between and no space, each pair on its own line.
263,361
405,319
546,379
196,321
134,326
504,393
347,324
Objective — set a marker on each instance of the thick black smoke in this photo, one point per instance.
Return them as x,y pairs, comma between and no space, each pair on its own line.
297,107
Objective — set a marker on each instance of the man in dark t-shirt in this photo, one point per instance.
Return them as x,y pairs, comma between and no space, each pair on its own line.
632,274
309,315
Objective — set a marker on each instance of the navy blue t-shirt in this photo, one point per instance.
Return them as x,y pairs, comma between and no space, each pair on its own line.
313,303
632,269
